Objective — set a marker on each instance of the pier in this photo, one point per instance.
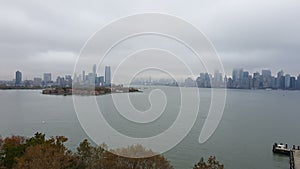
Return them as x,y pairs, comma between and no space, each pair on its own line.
295,159
293,153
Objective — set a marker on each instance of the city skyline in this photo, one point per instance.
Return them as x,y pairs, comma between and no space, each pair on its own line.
93,70
239,78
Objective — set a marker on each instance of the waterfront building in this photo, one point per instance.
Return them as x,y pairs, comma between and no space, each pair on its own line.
266,73
83,76
256,80
298,83
280,80
60,81
95,70
18,78
91,79
266,78
101,81
204,80
245,81
287,81
237,75
37,81
107,76
189,82
217,79
292,83
47,78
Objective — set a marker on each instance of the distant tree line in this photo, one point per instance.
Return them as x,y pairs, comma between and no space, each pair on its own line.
37,152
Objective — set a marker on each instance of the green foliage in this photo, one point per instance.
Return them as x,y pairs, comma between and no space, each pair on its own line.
38,138
211,163
11,148
17,150
47,154
91,157
37,152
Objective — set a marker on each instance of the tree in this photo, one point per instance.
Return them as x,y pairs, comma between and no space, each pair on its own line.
212,163
88,155
91,157
47,154
11,147
37,152
38,138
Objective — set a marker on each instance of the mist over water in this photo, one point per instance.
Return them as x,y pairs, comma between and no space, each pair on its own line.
252,121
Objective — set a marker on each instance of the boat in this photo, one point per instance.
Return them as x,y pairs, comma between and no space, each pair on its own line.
281,149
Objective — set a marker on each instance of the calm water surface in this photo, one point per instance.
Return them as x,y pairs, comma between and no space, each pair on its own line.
252,121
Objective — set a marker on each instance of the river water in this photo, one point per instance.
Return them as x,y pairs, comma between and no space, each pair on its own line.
252,121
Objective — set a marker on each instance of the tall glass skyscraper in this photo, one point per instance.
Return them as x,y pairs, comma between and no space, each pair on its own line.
18,78
107,76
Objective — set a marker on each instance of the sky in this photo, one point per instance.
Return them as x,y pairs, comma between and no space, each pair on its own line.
47,36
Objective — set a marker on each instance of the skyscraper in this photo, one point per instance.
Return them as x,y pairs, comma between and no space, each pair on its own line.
266,73
218,79
47,77
298,82
280,80
266,78
18,78
237,74
287,81
101,81
94,69
107,76
83,75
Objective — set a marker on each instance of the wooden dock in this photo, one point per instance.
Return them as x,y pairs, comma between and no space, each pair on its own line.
293,153
295,159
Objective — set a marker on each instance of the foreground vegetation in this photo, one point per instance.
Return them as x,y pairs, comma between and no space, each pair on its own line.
37,152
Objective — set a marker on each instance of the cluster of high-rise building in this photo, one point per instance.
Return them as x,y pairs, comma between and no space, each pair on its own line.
206,80
90,79
46,81
241,79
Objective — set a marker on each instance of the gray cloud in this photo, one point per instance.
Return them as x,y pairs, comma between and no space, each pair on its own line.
38,37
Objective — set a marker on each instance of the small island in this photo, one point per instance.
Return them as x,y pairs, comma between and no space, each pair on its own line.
85,91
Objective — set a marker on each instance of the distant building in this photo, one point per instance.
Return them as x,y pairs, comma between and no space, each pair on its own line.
18,78
287,81
204,80
256,81
266,78
95,70
245,81
280,80
100,81
91,79
189,82
83,76
218,79
266,73
60,81
292,83
107,76
237,75
68,80
37,81
47,78
298,83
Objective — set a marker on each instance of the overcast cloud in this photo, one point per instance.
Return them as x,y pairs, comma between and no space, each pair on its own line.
46,36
